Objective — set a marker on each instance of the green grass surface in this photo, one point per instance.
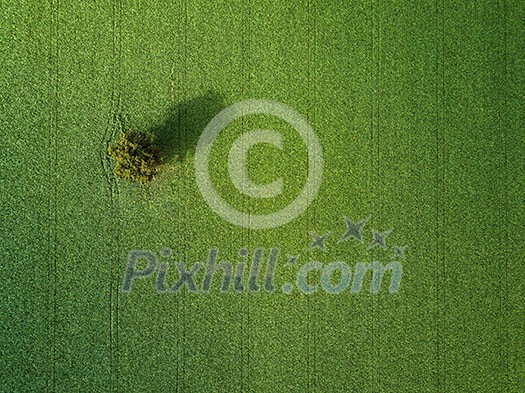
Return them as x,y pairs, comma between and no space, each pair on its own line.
419,107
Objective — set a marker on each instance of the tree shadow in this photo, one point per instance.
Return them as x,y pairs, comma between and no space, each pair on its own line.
178,134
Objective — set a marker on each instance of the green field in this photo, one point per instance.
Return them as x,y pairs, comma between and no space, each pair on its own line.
419,107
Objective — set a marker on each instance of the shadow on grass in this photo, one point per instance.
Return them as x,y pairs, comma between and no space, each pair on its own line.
178,134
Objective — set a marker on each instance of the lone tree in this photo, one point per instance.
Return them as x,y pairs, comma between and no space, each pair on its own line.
137,156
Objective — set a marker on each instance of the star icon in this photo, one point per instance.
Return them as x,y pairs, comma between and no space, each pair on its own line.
318,241
399,252
379,239
353,229
292,259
